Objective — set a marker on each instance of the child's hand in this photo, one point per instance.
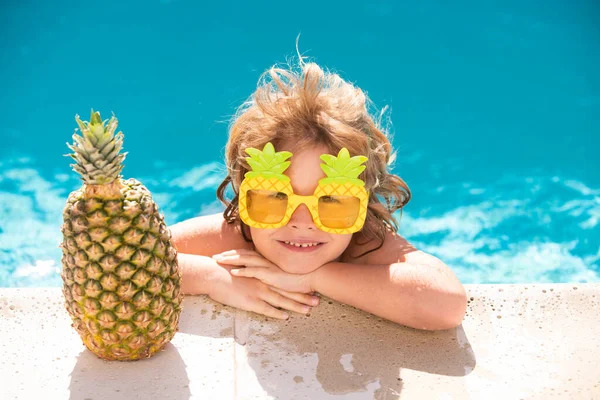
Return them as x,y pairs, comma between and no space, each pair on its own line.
253,295
254,265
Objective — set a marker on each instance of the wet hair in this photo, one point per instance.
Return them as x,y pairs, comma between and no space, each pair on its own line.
308,106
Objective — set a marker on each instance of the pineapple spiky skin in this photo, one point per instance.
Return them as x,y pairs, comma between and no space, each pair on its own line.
121,279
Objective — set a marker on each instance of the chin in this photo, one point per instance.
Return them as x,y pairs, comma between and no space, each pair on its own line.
300,268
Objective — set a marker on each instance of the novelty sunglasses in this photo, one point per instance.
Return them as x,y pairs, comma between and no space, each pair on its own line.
338,204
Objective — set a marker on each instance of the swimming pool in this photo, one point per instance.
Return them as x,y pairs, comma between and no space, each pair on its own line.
495,111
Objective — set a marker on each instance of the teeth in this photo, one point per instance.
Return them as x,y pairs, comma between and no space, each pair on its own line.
302,245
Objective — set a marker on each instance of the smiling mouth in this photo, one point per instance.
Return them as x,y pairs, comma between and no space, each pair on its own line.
303,244
307,246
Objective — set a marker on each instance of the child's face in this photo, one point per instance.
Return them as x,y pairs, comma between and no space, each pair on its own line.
304,173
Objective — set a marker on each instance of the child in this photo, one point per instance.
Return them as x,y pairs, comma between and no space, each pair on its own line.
275,245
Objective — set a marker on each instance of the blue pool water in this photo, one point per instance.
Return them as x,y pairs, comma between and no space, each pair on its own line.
495,108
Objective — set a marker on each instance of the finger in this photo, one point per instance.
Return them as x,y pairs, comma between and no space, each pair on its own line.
252,272
262,274
264,308
276,299
247,260
236,251
303,298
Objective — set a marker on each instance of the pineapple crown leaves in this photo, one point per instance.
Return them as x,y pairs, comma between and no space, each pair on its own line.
343,168
268,163
97,151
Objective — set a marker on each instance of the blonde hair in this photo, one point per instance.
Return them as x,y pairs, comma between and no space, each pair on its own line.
310,107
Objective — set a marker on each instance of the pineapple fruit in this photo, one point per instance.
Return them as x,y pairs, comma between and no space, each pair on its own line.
121,279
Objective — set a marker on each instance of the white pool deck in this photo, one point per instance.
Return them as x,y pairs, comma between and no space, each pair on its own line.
516,342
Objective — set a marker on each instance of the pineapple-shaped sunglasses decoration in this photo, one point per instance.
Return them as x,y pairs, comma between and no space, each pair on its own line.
338,204
119,267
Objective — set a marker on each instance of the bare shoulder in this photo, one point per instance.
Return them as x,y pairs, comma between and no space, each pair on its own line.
395,249
207,235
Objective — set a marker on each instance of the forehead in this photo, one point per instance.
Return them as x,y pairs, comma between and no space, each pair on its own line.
305,168
306,157
299,148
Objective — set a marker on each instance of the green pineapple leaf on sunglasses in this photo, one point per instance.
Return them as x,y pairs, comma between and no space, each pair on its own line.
268,163
342,169
256,155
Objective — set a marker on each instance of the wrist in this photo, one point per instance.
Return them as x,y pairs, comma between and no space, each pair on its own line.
199,274
316,277
215,276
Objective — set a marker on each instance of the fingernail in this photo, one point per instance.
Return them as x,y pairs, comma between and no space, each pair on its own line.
235,271
306,309
286,316
315,300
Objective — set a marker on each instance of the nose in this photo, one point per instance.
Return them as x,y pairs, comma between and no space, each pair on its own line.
301,218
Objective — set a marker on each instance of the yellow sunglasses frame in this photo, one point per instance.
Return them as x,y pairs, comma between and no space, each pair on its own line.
311,202
267,167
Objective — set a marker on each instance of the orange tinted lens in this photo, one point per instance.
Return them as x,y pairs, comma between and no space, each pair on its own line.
338,212
266,206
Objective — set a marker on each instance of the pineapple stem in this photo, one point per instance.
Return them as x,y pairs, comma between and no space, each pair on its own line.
97,151
109,191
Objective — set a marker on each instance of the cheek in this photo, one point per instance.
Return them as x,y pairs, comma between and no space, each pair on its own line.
261,238
339,244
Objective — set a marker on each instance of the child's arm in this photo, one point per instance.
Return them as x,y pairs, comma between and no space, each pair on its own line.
196,240
396,282
207,235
